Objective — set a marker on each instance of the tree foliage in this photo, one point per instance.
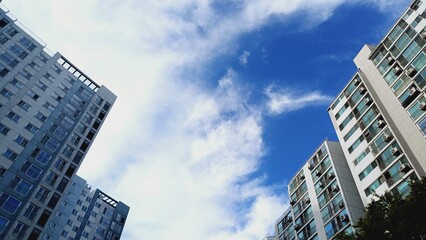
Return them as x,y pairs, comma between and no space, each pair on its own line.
394,217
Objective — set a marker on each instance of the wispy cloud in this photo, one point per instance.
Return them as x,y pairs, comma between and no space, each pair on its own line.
244,58
286,100
180,154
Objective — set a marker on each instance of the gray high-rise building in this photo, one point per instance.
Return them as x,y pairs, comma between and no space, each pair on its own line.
323,196
50,114
86,213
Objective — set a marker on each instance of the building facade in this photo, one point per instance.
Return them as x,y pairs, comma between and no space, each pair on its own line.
87,213
323,197
380,116
50,114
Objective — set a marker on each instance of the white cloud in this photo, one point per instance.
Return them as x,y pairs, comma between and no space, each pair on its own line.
286,100
180,154
244,58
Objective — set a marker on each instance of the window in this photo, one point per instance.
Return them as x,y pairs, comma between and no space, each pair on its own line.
17,83
66,121
91,134
13,116
9,59
70,110
40,116
35,66
68,151
3,223
11,31
9,154
64,233
106,106
422,125
31,170
356,144
98,100
25,74
31,211
49,106
63,87
75,139
33,95
49,77
56,69
87,118
31,128
20,186
3,38
21,140
77,102
18,51
41,194
58,131
56,96
25,106
41,85
3,129
42,58
50,143
84,93
2,171
27,43
9,203
19,230
62,185
81,128
51,178
60,164
93,109
3,70
368,191
6,93
41,155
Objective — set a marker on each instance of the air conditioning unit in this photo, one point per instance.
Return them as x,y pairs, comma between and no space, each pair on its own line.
318,173
357,81
413,90
289,219
397,70
310,166
341,205
411,72
307,200
335,188
362,90
366,134
298,227
422,106
395,151
367,101
330,176
321,185
387,137
404,168
381,123
302,176
390,60
292,202
343,218
423,35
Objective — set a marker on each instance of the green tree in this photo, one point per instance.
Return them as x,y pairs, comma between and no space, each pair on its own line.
394,217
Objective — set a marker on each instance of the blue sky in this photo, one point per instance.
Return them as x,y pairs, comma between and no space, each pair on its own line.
219,102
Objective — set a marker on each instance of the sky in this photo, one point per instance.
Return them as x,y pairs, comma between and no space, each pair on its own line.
220,102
